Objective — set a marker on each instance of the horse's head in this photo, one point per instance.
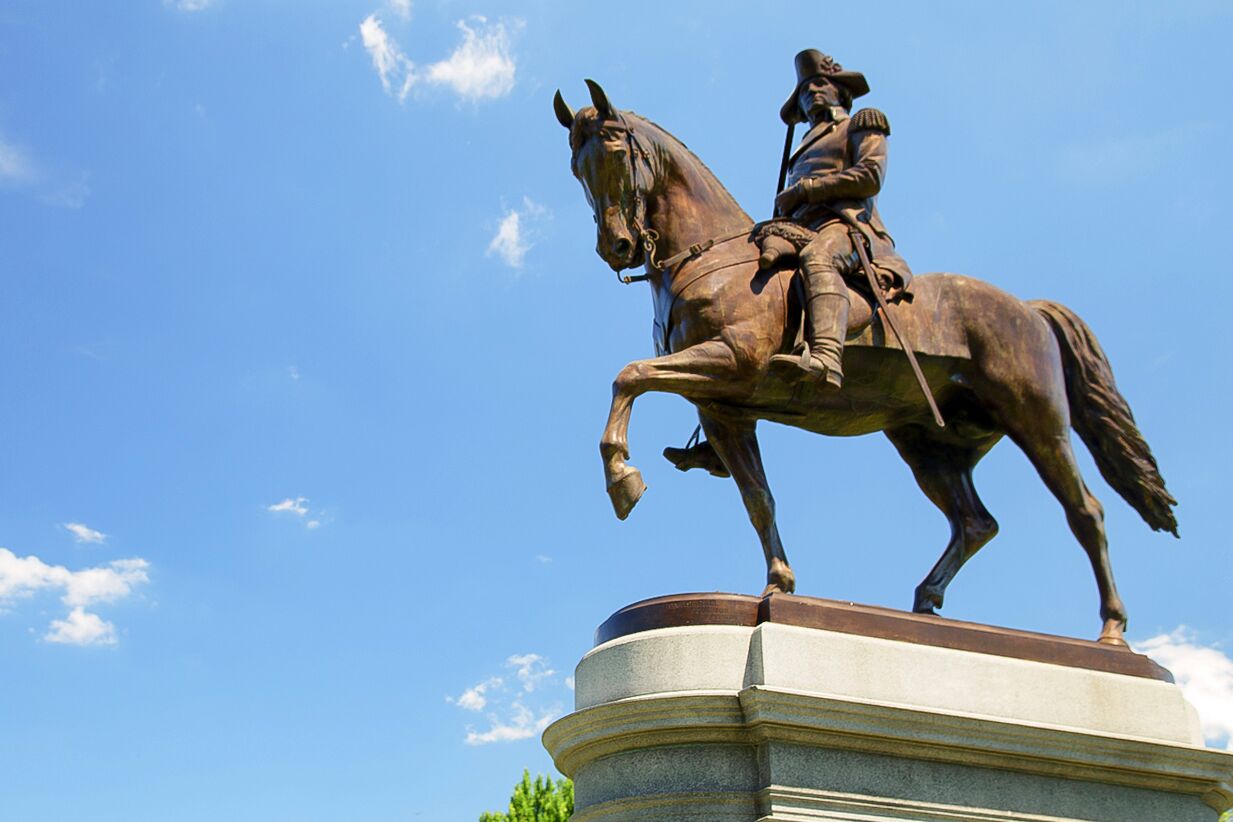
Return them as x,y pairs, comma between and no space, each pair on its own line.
611,165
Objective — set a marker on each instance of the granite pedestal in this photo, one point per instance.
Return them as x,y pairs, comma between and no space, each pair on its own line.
722,707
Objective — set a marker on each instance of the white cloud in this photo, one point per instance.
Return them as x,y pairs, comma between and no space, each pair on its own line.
1205,675
393,67
84,533
543,559
473,699
299,507
482,66
293,373
295,506
402,8
15,164
189,5
21,577
510,719
520,724
515,232
81,628
57,187
531,670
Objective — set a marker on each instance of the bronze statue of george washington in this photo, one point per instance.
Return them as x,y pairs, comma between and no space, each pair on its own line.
833,178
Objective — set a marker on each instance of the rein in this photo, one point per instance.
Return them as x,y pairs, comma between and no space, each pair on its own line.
647,236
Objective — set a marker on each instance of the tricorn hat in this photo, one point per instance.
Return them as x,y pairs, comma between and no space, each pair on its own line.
812,63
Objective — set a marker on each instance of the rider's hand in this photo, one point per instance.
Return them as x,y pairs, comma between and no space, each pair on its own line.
789,199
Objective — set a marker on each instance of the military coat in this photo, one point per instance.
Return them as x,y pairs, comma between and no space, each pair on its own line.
846,158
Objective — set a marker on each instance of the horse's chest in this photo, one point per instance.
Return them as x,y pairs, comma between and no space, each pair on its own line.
683,321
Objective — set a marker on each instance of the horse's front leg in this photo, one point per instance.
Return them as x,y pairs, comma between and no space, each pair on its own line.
708,370
736,442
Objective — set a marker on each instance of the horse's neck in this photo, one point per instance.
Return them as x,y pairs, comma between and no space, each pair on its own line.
690,205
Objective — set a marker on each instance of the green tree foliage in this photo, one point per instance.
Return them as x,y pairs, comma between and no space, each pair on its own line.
540,801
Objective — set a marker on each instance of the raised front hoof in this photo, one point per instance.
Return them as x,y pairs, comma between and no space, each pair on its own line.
626,491
1112,633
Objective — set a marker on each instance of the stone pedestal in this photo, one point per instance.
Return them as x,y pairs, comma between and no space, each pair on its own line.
721,707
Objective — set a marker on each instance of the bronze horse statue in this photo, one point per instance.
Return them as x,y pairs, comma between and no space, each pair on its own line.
996,365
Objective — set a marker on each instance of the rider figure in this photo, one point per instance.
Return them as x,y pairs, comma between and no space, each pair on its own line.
833,180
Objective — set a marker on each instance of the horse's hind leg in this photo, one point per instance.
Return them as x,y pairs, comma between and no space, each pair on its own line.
1054,460
736,442
943,470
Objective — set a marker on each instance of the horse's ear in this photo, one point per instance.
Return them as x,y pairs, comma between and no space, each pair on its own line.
565,114
600,99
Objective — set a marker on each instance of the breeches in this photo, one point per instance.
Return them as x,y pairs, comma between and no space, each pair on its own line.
828,263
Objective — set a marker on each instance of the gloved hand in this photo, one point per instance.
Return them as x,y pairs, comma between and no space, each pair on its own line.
788,199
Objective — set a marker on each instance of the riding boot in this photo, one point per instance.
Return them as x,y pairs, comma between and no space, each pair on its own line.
700,455
826,326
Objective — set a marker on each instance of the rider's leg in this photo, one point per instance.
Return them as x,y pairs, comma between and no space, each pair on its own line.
827,303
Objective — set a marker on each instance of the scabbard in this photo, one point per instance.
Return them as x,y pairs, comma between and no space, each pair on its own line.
858,240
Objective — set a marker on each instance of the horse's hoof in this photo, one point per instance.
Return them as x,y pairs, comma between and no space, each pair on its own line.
625,492
779,580
926,603
1112,634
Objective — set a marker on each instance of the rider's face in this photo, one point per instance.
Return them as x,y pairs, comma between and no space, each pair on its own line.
817,97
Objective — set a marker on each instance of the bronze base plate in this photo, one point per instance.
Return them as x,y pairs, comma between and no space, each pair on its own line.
867,620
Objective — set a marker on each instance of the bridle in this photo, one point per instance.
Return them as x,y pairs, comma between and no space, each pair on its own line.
646,236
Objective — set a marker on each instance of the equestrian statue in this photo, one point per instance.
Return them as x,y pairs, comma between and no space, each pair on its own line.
813,319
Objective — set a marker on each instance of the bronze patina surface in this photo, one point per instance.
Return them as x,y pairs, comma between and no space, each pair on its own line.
681,610
745,334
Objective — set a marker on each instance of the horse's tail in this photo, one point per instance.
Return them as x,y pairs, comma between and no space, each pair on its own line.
1102,418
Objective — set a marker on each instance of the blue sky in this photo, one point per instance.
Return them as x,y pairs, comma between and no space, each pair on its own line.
306,353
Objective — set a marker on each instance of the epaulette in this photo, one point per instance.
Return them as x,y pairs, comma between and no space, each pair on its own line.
870,119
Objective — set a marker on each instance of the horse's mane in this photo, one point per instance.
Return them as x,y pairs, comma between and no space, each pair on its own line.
588,121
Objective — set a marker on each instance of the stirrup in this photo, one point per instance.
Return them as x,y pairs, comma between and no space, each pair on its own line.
805,364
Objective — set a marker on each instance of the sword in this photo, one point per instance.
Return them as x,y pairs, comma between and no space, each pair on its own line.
858,240
783,164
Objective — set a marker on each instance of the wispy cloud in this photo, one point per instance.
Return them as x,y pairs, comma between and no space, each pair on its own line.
297,506
289,505
531,670
54,187
401,8
15,164
84,533
509,714
520,723
1205,675
189,5
397,73
473,699
515,233
22,577
481,67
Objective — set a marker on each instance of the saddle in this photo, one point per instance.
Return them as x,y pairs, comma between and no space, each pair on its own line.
780,242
